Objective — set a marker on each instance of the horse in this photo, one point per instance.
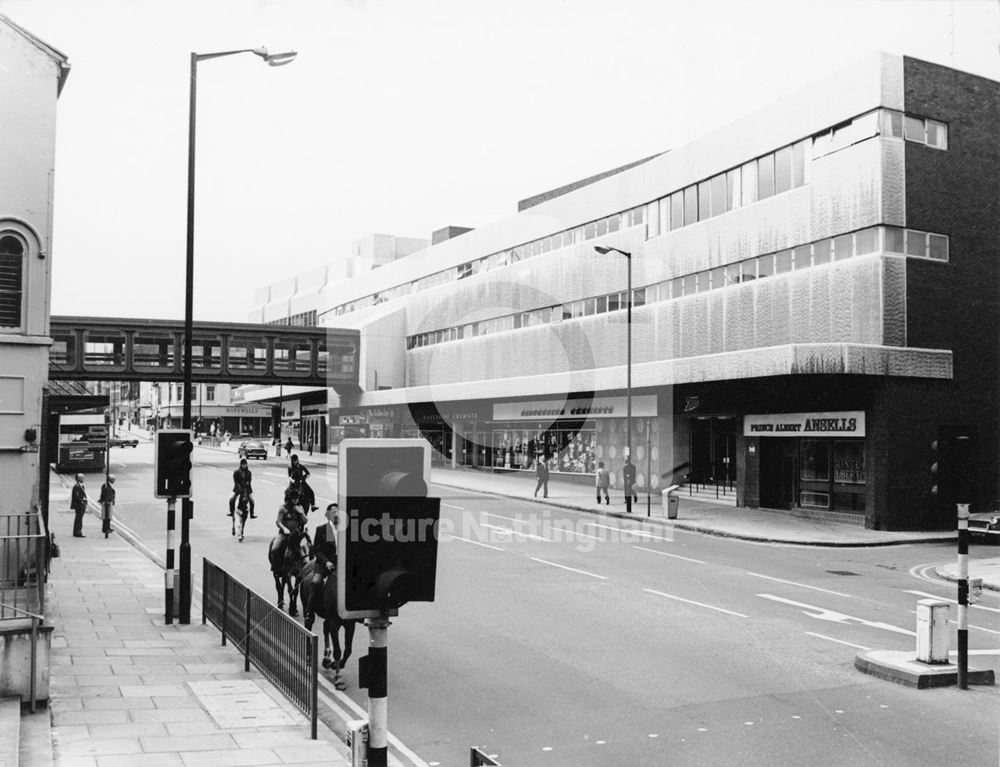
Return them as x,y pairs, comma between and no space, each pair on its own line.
242,511
332,623
286,566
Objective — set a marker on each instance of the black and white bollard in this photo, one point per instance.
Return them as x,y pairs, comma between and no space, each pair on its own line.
963,596
378,691
168,615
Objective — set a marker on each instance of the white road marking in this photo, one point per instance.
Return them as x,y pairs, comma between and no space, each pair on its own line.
477,543
511,531
800,585
640,533
453,506
949,599
517,521
838,641
571,569
836,617
692,602
665,554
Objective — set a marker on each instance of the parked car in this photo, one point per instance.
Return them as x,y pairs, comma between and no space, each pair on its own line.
124,442
252,449
986,524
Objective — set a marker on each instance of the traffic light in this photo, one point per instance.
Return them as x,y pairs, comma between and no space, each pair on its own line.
172,472
953,470
388,526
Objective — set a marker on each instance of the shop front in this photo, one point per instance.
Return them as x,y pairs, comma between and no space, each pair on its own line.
809,461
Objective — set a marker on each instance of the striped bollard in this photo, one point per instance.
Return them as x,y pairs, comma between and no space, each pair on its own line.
378,692
169,572
963,596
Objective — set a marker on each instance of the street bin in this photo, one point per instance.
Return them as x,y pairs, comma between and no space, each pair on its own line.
932,631
671,501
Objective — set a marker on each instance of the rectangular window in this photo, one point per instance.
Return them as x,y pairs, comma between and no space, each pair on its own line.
801,257
718,194
602,227
749,173
799,155
733,189
842,247
916,243
614,222
765,266
689,285
676,288
209,393
765,177
717,278
614,302
589,306
652,220
938,247
676,210
602,304
704,201
664,205
783,170
783,262
701,282
866,126
822,252
937,134
732,275
815,460
849,462
894,240
690,205
589,231
913,129
546,244
639,297
866,241
748,270
892,123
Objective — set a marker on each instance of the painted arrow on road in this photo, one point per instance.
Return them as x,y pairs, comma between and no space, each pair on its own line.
821,613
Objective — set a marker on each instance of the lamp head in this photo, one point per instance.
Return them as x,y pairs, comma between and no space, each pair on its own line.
604,250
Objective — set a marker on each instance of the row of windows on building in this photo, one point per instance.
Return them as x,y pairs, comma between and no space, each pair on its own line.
300,320
175,392
761,178
888,239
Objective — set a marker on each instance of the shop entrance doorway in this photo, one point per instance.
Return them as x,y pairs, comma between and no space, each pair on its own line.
777,473
713,450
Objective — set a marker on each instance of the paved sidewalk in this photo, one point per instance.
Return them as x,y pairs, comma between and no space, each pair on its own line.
128,690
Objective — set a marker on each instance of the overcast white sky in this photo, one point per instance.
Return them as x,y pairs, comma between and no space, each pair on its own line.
400,117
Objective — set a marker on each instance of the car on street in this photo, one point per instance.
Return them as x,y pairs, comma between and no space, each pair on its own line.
252,449
986,524
123,442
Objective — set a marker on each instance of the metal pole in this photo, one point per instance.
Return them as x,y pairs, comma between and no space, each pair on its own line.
628,385
105,506
963,596
378,692
649,470
168,615
187,506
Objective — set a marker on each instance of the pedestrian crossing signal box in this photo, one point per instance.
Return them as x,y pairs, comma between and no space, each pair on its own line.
172,463
388,531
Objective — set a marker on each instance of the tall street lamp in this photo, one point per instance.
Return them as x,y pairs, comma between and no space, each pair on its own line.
187,506
604,250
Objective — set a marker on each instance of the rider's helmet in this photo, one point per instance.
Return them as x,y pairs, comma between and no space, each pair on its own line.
243,462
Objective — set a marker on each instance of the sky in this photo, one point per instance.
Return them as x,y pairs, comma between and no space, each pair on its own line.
400,117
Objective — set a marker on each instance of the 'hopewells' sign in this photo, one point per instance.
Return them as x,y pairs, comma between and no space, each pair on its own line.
849,423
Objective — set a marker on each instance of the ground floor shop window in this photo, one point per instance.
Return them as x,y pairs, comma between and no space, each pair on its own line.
832,474
570,451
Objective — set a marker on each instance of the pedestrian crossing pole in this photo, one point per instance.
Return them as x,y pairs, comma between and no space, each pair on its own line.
963,596
377,673
169,572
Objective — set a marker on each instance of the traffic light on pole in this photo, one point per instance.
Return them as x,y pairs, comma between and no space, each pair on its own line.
172,472
387,538
953,467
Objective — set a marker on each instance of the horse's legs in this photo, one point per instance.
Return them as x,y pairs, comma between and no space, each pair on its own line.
293,596
332,628
279,585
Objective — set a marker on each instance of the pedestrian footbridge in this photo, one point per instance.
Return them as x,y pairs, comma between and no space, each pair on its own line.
107,348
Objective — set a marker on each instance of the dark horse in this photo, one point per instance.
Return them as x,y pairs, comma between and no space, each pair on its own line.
242,510
332,622
286,566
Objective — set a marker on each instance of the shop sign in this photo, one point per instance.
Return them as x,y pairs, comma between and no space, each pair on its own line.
599,407
387,413
355,419
848,423
260,412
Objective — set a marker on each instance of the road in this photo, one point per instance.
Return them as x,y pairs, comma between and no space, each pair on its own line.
550,644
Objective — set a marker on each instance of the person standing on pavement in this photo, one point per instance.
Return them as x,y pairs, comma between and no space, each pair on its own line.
542,473
78,502
309,445
289,446
603,483
628,480
107,504
277,447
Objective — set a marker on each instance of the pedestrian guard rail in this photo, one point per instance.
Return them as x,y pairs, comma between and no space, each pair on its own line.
23,564
281,648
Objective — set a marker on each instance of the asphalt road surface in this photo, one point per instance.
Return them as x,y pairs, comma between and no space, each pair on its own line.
566,638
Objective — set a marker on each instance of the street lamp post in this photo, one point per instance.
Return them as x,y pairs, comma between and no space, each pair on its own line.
187,506
604,250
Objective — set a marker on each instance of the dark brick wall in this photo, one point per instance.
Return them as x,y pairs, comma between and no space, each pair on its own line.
952,306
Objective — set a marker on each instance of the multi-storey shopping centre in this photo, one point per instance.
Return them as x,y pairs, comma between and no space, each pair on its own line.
815,293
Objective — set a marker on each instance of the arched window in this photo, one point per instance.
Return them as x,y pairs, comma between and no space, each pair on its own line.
11,279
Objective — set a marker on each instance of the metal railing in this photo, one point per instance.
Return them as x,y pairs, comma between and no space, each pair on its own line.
281,648
33,663
23,564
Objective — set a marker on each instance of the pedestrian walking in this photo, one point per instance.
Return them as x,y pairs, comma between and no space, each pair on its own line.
277,447
309,445
288,448
603,479
542,473
107,504
628,481
78,502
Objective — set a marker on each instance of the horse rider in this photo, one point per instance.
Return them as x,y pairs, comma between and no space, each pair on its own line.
298,473
242,478
324,550
291,519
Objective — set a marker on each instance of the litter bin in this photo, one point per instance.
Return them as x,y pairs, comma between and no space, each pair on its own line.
671,501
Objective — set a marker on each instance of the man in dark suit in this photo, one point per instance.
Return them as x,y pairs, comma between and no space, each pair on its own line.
324,550
78,502
628,481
